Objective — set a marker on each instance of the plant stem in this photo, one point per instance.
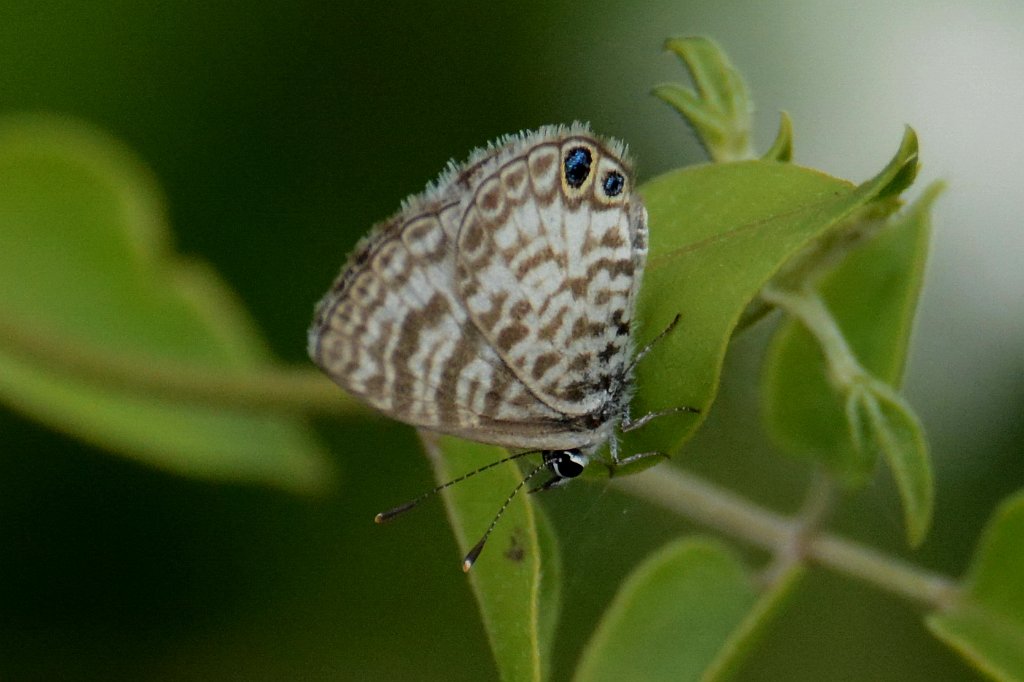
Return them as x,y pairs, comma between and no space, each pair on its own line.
818,504
843,368
307,391
709,505
267,387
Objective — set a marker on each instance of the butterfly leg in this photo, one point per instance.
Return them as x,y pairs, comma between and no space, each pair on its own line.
629,424
653,342
632,459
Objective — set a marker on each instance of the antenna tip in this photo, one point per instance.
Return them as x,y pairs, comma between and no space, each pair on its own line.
385,516
470,559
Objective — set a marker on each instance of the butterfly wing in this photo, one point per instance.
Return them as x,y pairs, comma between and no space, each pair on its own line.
393,332
550,254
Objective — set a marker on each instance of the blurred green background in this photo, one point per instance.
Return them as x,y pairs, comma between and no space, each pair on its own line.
281,131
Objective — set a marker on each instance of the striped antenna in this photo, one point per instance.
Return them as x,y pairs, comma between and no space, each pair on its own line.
386,516
471,557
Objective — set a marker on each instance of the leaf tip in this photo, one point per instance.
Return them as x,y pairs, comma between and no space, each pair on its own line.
782,148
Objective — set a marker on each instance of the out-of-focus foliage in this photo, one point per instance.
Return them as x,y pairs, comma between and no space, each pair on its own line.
279,134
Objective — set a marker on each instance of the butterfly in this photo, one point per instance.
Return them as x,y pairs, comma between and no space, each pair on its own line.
498,304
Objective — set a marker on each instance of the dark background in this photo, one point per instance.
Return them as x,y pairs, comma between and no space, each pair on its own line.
281,131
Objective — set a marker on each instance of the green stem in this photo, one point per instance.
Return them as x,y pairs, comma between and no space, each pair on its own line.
843,368
894,430
818,504
307,391
267,388
709,505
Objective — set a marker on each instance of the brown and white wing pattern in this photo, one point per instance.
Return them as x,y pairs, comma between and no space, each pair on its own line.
551,251
393,332
497,305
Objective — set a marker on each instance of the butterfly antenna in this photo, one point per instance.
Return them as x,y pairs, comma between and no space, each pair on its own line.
386,516
471,557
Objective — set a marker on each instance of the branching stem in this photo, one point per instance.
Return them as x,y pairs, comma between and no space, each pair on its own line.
725,511
307,391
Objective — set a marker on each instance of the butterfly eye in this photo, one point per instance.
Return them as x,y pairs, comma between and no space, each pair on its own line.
613,184
565,463
577,166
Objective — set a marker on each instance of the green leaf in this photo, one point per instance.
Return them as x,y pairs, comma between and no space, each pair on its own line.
85,255
719,111
517,577
719,233
898,435
749,631
691,611
986,626
549,595
782,148
843,411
